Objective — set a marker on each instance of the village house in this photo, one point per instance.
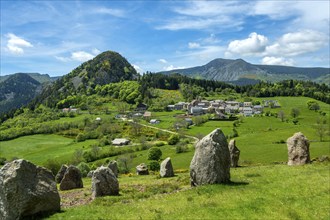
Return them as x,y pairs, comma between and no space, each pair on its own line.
154,121
120,141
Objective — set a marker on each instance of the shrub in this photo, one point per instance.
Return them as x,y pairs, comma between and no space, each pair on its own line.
154,153
2,160
84,168
53,165
159,143
174,139
181,149
154,165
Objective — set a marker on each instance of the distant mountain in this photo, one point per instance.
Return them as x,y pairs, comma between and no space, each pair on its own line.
17,90
42,78
241,72
107,67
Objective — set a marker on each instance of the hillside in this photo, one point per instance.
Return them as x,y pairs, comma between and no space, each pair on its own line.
41,78
107,67
17,90
240,70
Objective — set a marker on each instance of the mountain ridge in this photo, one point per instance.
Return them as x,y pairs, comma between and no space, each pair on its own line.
229,70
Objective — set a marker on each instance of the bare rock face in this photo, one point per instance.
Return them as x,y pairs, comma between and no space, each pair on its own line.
114,167
211,161
166,168
234,153
142,169
59,176
26,190
298,149
72,179
104,182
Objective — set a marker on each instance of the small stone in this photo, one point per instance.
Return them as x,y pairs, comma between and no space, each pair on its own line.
72,179
234,153
114,167
142,169
59,176
104,183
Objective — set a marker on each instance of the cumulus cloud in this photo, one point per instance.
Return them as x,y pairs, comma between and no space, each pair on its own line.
293,44
253,45
95,51
193,45
16,44
171,67
81,56
277,61
138,68
162,61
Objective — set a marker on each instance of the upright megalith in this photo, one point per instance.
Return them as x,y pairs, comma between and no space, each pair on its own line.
71,179
298,149
114,167
26,190
234,153
211,161
104,182
60,174
166,168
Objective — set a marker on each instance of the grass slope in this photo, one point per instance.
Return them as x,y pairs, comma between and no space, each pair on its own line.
260,192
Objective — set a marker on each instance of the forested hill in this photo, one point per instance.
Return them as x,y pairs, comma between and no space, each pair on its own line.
107,67
240,70
17,90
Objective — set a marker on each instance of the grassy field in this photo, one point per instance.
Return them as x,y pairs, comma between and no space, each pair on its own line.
39,148
259,192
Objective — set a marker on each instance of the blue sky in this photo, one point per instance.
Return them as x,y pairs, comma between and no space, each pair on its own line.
54,37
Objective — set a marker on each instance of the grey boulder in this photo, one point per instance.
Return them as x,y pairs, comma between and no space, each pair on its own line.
114,167
59,176
234,153
26,190
104,182
166,168
142,169
72,179
211,161
298,149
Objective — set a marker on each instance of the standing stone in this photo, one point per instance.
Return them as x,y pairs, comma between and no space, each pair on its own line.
26,190
166,168
104,182
142,169
90,174
114,167
234,153
59,176
72,179
211,161
298,149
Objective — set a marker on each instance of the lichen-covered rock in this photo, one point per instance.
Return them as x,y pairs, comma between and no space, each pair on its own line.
211,161
142,169
90,174
166,168
234,153
114,167
72,179
298,149
26,190
104,182
60,174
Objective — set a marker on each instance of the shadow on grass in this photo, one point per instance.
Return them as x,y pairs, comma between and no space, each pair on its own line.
42,215
231,183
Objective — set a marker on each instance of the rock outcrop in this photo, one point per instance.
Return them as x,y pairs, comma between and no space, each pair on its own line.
166,168
211,161
104,182
26,190
234,153
298,149
142,169
72,179
114,167
60,174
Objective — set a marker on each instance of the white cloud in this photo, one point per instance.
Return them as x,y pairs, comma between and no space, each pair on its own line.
296,43
138,68
16,44
255,44
277,61
81,56
193,45
171,67
110,11
162,61
95,51
63,59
